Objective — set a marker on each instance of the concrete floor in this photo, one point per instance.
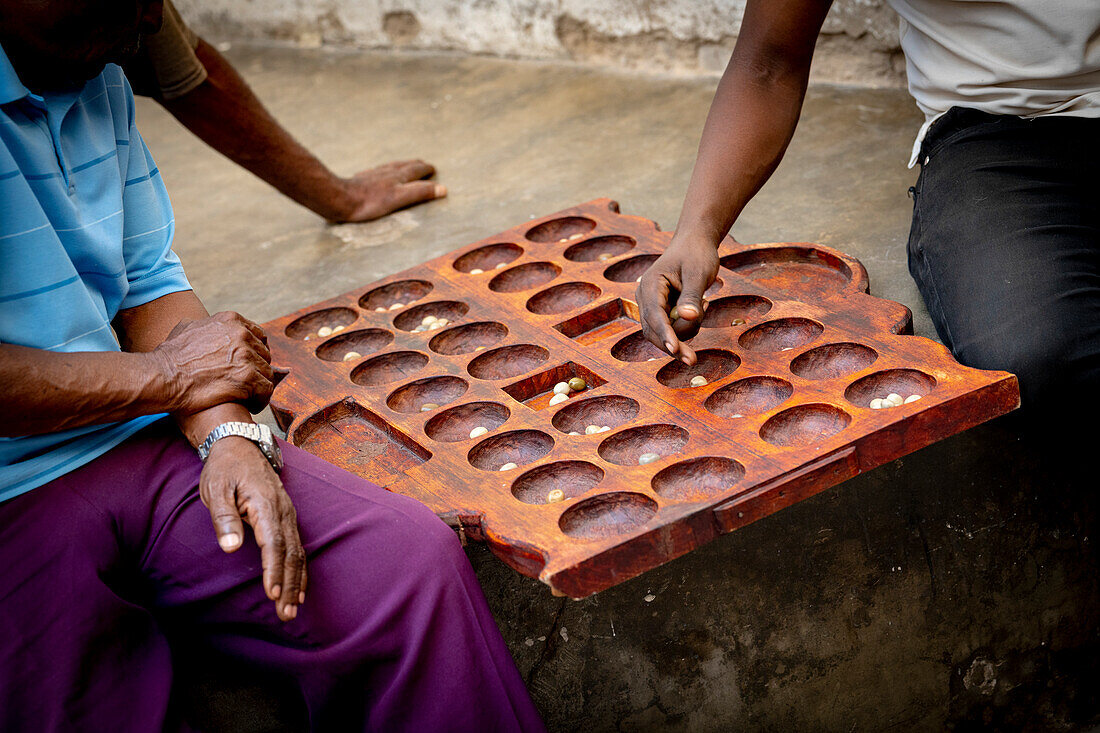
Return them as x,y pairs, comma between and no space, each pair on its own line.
945,590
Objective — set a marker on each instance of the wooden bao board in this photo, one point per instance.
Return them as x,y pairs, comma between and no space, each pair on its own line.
784,414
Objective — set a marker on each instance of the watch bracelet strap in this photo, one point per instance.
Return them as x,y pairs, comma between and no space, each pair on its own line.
247,430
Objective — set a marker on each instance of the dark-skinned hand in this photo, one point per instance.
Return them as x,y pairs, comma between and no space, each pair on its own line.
214,360
679,277
237,483
373,193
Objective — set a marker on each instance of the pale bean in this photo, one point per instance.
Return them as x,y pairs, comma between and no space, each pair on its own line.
352,355
561,388
647,458
698,381
592,429
558,399
476,271
508,466
324,331
555,496
912,398
478,431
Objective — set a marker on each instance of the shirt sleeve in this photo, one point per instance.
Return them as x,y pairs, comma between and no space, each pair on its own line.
167,66
152,269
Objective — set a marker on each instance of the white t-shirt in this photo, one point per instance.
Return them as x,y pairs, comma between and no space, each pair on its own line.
1013,57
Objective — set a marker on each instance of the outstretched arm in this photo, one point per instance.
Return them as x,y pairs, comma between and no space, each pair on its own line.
750,123
225,114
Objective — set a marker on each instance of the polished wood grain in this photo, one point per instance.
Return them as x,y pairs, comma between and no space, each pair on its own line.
793,351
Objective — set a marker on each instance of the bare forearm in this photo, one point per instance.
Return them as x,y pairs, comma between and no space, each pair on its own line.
145,330
46,391
753,117
225,114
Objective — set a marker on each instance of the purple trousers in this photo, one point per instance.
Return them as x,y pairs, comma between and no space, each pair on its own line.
394,635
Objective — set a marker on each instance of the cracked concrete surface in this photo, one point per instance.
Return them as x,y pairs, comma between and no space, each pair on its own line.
879,604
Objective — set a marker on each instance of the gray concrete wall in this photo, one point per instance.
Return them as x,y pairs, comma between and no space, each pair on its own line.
859,43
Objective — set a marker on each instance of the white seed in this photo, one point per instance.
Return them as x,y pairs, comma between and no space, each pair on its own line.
428,407
578,235
379,309
876,404
558,399
428,320
698,381
604,257
508,466
563,239
577,384
338,329
786,348
603,429
479,348
478,431
500,266
647,458
352,355
895,399
395,306
639,279
435,326
555,496
652,358
442,321
476,271
561,388
737,322
912,398
324,331
307,338
573,432
420,329
591,429
737,414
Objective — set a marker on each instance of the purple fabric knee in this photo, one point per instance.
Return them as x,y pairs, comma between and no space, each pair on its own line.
394,634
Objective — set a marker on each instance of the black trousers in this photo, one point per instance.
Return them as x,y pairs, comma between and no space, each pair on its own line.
1005,248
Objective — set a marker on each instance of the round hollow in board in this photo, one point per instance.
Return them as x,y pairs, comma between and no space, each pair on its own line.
796,269
363,341
488,257
410,318
833,360
626,447
402,291
804,425
389,368
430,390
904,382
572,478
507,361
454,424
749,396
723,312
607,515
468,338
524,277
517,446
563,298
308,324
561,228
591,250
629,270
609,410
711,364
698,479
782,333
636,347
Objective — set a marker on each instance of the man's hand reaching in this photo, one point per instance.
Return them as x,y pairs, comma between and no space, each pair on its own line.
238,483
679,277
373,193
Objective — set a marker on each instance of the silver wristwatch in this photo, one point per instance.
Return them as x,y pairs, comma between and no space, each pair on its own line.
258,434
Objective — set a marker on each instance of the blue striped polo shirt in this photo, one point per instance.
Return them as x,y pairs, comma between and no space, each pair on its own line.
85,231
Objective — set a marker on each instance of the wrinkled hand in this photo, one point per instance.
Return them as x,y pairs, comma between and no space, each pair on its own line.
237,481
679,277
219,359
376,192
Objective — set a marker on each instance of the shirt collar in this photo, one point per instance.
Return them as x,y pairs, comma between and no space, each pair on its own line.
11,88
